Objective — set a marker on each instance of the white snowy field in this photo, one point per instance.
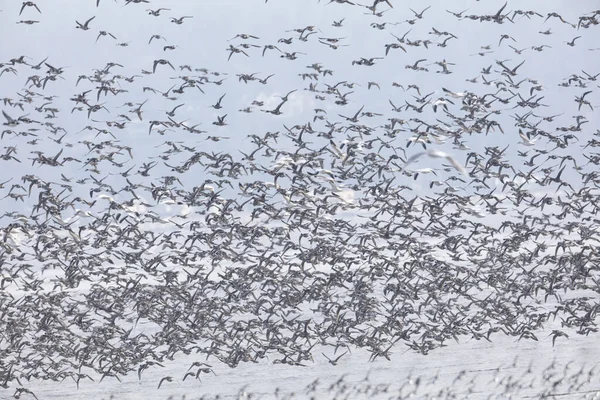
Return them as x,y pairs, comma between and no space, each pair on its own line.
504,368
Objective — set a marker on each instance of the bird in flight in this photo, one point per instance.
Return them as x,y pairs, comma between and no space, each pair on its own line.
161,62
382,1
335,360
84,26
29,4
437,154
156,13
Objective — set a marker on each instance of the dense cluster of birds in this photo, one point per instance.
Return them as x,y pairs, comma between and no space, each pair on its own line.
142,234
515,380
510,381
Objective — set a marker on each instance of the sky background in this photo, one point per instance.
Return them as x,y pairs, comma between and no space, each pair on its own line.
202,43
203,40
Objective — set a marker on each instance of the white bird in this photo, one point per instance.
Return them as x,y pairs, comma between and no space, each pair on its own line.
455,95
441,102
425,171
525,140
437,154
461,146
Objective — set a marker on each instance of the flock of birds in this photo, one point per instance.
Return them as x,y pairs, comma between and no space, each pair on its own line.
556,381
514,380
304,241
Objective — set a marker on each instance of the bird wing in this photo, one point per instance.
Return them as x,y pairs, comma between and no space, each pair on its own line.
358,112
453,162
501,9
8,118
414,158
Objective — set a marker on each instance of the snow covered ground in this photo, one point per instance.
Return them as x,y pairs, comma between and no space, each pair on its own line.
504,368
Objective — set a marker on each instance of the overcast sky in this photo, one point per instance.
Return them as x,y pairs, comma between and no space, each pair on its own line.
202,42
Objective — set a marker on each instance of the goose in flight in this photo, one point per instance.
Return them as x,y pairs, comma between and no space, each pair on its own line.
393,46
342,2
161,62
338,24
419,15
277,110
285,98
572,42
29,4
354,118
220,121
156,37
457,14
498,17
179,21
105,33
9,120
243,36
218,105
270,47
85,26
172,112
375,2
415,66
166,378
334,361
156,13
511,72
264,81
233,50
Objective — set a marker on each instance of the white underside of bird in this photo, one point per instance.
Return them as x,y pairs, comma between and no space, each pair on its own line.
526,141
437,154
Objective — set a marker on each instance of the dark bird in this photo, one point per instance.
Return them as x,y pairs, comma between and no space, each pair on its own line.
218,106
85,26
161,62
166,378
334,361
105,33
29,4
156,13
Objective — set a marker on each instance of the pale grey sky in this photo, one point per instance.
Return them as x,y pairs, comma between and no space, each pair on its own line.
203,39
202,42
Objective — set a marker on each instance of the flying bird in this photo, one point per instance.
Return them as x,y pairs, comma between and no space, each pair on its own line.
84,26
